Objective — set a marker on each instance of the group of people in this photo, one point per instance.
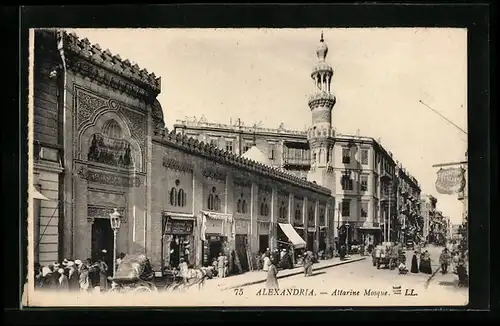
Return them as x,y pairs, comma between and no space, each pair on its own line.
74,275
424,266
220,266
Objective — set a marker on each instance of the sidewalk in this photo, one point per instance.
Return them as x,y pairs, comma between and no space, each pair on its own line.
256,277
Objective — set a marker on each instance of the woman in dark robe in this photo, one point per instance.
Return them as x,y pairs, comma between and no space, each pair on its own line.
425,263
272,280
414,263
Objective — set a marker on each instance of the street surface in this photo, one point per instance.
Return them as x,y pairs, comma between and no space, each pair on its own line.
360,283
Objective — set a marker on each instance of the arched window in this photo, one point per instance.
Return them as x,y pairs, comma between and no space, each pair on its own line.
282,210
112,129
181,198
213,200
178,196
217,203
310,214
241,205
211,204
173,196
298,213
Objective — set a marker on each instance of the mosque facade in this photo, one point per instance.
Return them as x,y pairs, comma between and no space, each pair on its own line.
100,144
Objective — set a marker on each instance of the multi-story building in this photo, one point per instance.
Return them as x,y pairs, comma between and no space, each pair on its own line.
428,204
358,170
100,146
410,223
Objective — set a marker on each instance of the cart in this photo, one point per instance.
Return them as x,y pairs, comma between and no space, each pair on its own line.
134,274
386,255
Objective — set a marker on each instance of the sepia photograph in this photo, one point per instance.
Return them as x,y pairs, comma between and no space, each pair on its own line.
175,167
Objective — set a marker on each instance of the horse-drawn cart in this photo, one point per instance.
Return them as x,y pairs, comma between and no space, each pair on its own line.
134,274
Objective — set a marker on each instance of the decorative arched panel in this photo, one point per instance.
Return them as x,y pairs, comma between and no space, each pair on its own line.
109,140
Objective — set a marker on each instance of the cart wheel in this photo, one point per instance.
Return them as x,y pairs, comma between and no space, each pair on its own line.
142,289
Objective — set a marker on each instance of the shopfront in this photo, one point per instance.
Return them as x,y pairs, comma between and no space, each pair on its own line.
177,241
323,233
264,235
214,237
310,238
241,241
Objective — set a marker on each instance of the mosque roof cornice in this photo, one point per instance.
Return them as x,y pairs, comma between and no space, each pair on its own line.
194,146
77,48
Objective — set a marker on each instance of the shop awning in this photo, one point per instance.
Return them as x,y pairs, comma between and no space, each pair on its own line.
37,195
292,235
218,216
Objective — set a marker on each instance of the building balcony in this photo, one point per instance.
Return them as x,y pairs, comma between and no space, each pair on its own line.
289,161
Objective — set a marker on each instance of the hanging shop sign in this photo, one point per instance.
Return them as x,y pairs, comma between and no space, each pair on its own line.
450,181
179,227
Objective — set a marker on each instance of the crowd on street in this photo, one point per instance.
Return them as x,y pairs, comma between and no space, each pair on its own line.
75,275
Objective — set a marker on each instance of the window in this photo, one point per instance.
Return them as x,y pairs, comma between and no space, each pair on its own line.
229,145
346,181
346,208
213,200
364,156
321,217
247,147
241,205
282,210
272,151
364,209
177,195
298,213
310,214
264,208
314,157
346,155
364,183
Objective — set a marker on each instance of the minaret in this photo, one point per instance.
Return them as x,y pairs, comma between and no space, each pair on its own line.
321,135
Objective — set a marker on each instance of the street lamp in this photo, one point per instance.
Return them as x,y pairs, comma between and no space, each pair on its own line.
114,219
347,225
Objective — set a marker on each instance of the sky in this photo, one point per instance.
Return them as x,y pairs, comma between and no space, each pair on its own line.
263,76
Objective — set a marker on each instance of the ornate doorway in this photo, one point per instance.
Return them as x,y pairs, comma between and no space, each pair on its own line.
102,239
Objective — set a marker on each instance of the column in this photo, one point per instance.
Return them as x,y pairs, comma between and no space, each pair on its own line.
273,240
254,211
228,209
304,220
291,209
316,227
328,232
197,207
83,230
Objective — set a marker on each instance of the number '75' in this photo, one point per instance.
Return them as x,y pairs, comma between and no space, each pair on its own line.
238,291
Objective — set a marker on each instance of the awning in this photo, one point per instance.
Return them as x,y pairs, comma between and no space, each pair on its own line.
179,216
218,216
292,235
37,195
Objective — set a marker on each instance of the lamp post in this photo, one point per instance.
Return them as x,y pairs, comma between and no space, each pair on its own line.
114,219
347,225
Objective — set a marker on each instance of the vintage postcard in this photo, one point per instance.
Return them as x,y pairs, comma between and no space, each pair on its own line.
248,167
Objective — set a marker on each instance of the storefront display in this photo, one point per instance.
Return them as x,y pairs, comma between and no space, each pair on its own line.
177,241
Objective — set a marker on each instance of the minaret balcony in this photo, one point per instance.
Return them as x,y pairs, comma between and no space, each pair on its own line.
322,99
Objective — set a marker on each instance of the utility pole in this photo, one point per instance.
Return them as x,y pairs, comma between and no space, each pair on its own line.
389,219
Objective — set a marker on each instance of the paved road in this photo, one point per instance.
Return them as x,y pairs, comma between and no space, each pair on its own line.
340,285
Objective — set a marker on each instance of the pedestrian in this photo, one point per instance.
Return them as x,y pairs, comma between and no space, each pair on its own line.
308,262
444,260
120,259
183,270
425,263
83,278
63,284
272,280
103,271
266,263
220,265
414,263
73,277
